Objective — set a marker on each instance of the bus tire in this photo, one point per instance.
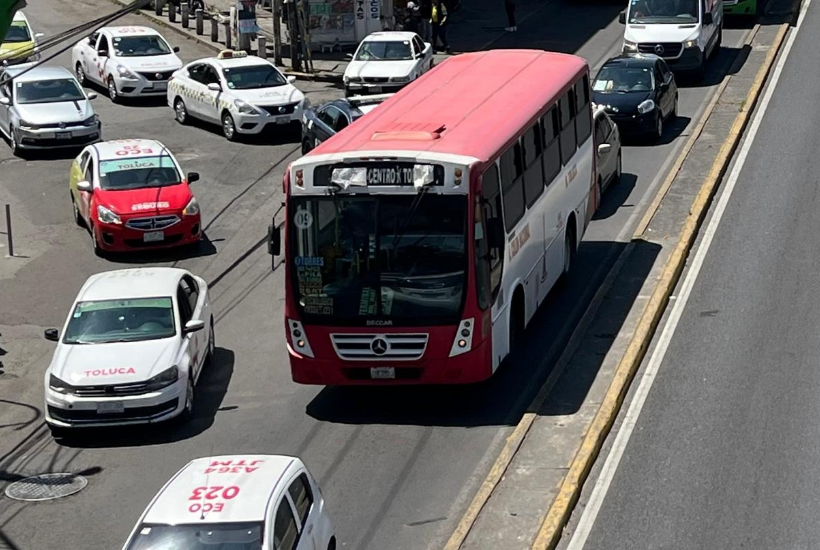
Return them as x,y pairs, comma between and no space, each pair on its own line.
516,321
570,246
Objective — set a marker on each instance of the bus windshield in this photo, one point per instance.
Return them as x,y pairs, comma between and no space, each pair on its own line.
362,258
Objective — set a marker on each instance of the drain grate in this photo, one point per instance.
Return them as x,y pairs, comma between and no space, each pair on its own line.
46,487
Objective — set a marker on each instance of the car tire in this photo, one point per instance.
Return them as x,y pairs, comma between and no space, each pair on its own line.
332,544
187,413
674,114
658,134
228,127
180,111
95,244
306,146
618,169
15,148
78,219
209,359
79,73
113,94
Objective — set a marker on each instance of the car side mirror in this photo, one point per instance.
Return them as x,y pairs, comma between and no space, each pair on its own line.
85,186
274,239
622,18
92,95
349,56
102,53
90,40
176,49
291,79
214,87
51,334
604,148
5,101
194,325
708,19
192,177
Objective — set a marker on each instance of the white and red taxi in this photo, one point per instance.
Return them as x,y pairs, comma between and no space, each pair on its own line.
131,194
243,502
131,350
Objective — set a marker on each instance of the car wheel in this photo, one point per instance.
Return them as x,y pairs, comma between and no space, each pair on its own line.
674,114
80,74
618,169
209,359
78,219
15,149
112,90
658,128
228,127
95,243
180,111
306,146
188,412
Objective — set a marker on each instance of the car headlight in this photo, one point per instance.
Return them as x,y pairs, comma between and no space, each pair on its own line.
57,385
400,78
630,46
34,57
125,72
690,43
352,79
163,379
91,121
245,108
646,106
106,215
192,208
24,125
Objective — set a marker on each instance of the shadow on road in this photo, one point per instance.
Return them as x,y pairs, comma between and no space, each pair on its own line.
615,196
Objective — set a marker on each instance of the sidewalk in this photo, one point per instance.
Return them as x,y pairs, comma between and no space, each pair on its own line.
478,25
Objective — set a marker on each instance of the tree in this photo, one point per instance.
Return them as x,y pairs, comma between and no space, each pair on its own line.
7,10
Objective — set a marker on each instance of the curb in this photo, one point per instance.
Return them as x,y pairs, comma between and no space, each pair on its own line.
334,78
558,515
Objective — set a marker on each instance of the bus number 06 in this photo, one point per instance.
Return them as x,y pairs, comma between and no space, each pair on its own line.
212,493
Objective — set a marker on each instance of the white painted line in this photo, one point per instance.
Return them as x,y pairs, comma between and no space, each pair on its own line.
599,492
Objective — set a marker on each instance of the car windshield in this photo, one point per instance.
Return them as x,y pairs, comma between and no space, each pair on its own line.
621,80
18,32
49,91
106,321
207,536
137,173
140,46
384,51
252,77
663,11
360,258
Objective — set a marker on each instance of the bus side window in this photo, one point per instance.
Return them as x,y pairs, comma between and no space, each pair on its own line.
490,248
512,185
533,173
567,115
552,145
583,119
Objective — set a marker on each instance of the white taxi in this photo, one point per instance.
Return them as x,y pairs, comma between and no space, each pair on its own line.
387,61
244,94
249,502
131,350
128,61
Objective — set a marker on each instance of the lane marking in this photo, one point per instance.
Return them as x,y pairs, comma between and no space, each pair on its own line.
604,481
516,438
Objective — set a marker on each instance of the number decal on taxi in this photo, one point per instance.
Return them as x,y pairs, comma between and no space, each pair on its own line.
217,491
134,150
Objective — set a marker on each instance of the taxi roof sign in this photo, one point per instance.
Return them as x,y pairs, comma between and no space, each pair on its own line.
231,54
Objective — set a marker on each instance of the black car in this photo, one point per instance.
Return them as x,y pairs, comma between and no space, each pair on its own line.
638,92
320,122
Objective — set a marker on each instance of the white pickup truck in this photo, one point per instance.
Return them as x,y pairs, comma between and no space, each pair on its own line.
128,61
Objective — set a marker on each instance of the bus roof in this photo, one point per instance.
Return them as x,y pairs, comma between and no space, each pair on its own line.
471,104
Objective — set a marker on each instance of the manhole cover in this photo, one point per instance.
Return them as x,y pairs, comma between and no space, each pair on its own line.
46,487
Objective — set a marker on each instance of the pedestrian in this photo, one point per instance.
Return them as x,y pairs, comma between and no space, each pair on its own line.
426,12
509,5
438,21
412,20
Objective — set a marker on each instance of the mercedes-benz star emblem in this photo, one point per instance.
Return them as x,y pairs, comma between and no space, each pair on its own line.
378,346
659,49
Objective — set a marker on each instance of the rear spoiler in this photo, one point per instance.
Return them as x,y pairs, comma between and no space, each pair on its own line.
369,99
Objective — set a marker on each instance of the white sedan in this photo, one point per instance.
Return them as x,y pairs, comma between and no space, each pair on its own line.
386,62
261,502
131,350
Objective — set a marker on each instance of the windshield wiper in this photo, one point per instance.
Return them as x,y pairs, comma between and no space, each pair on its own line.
399,233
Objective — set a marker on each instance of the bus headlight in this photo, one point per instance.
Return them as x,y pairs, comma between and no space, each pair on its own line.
463,341
298,338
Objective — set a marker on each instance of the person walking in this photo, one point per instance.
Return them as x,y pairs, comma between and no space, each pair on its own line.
412,21
426,12
509,6
438,21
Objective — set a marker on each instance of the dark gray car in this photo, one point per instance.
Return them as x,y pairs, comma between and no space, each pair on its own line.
320,122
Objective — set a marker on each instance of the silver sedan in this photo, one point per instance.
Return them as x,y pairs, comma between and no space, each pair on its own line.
608,149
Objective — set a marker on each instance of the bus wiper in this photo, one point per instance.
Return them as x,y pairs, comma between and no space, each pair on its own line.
414,206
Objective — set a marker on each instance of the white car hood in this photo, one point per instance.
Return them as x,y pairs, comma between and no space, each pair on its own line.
661,33
116,363
52,113
371,69
278,95
160,63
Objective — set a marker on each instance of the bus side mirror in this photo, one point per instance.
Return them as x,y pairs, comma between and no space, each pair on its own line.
622,18
495,233
274,239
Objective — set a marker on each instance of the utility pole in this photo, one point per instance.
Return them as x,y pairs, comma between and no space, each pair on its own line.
293,31
277,32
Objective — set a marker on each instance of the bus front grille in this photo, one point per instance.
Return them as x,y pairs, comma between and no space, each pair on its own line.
377,347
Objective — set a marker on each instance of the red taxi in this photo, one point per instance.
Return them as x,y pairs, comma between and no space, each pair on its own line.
131,194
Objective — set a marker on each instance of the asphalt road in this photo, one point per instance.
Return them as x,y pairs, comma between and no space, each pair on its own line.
397,465
725,451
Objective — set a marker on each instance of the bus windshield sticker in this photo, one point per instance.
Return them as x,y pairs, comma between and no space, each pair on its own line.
318,305
371,245
367,305
310,260
309,276
303,219
387,300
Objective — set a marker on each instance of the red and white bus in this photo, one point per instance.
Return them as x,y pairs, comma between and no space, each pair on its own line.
420,241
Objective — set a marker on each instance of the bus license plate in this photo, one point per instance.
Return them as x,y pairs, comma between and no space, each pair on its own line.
383,373
153,236
110,408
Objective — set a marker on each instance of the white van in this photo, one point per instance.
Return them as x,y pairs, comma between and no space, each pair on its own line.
685,33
